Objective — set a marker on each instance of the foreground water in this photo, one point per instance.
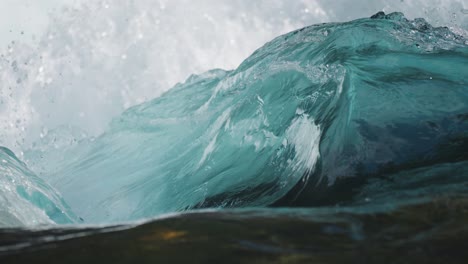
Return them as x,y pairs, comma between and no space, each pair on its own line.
364,121
433,232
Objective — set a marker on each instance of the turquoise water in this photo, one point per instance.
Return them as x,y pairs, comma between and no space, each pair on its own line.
370,112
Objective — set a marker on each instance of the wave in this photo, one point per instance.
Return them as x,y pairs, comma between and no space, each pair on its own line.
323,115
25,199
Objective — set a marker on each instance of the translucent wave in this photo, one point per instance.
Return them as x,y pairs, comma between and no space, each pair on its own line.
381,97
25,199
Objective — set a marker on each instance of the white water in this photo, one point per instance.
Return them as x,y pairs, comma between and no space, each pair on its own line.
89,60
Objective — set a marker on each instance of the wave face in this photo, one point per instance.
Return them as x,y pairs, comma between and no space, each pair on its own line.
326,103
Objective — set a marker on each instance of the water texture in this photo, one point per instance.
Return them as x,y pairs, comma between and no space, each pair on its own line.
372,111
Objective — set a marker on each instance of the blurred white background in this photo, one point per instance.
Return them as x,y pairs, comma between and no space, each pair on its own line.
32,16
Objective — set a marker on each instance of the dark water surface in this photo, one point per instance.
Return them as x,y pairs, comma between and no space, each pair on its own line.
435,231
